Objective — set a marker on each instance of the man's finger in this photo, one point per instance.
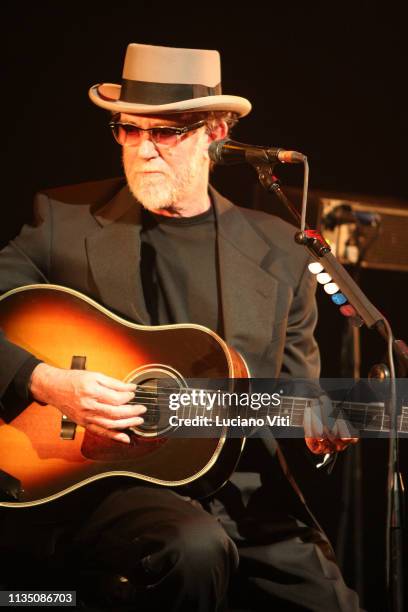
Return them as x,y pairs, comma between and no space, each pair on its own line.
343,443
115,384
316,421
113,398
117,436
116,424
345,429
307,422
320,446
118,412
322,422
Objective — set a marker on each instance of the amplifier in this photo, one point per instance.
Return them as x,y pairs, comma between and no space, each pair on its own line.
383,231
384,241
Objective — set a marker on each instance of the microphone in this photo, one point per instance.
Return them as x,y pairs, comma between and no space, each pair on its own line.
344,213
231,152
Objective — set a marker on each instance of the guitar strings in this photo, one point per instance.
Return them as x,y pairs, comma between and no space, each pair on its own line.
285,403
296,412
157,405
157,391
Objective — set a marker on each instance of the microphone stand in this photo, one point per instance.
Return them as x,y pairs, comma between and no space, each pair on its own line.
352,470
320,250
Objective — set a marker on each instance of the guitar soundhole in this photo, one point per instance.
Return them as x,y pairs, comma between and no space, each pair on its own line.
154,386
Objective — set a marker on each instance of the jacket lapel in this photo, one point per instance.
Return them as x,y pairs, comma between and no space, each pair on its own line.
248,289
114,256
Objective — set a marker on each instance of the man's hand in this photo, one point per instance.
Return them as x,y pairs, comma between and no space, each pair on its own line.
91,399
323,433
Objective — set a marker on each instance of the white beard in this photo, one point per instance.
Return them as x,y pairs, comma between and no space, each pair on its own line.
164,190
155,192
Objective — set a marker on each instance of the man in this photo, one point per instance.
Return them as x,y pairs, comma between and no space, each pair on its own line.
164,247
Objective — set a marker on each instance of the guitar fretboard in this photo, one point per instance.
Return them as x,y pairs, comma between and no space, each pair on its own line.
362,416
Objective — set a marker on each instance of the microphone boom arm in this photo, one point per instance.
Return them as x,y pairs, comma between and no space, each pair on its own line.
321,251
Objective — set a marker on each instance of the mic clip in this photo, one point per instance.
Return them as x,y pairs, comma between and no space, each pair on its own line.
264,170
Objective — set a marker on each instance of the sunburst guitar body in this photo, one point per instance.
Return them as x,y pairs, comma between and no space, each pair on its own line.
50,456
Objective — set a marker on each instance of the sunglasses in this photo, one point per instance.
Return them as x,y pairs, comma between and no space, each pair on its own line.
127,134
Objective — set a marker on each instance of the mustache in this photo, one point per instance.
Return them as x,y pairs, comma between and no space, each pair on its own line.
133,170
149,170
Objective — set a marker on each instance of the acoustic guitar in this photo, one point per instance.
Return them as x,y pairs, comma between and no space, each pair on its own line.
49,456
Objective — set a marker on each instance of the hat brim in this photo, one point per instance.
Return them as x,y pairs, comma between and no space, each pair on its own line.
106,95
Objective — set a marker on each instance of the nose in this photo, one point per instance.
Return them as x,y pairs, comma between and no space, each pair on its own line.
146,148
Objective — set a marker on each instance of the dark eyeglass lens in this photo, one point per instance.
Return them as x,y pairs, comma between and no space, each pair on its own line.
120,133
131,134
164,136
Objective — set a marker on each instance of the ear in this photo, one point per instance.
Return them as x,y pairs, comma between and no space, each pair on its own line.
219,132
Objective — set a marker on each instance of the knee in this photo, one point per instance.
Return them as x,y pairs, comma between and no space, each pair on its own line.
196,564
203,556
202,548
194,547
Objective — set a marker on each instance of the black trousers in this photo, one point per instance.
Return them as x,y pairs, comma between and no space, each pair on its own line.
144,547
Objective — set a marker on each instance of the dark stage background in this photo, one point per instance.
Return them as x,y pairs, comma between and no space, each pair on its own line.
325,78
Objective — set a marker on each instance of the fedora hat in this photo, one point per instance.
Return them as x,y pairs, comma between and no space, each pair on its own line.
161,80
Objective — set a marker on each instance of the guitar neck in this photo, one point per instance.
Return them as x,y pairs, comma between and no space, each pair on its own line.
365,417
291,410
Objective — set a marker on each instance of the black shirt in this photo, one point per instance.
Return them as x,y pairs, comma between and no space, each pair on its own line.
179,269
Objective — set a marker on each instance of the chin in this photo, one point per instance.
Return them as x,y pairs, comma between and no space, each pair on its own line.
153,199
155,206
